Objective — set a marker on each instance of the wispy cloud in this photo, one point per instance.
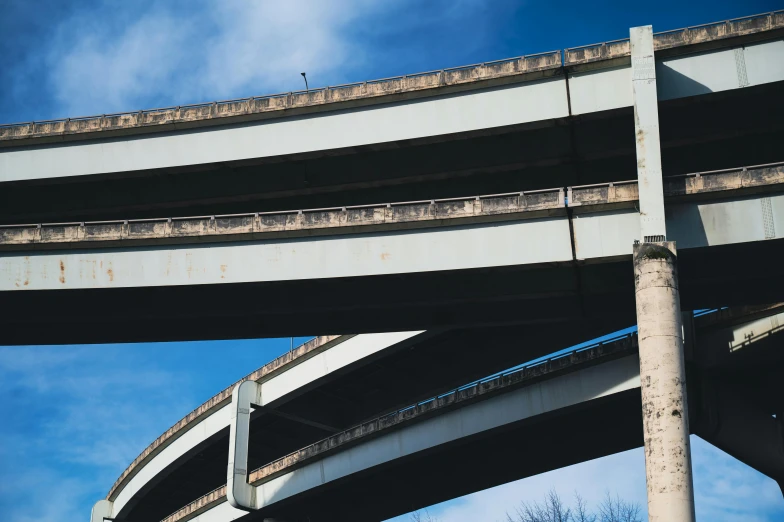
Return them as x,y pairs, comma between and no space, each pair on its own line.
74,417
726,490
201,50
107,59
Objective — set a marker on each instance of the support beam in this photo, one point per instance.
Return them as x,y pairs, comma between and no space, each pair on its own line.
662,367
102,510
301,420
663,384
646,132
239,493
738,427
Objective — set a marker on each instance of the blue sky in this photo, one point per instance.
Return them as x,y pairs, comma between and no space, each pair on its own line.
73,417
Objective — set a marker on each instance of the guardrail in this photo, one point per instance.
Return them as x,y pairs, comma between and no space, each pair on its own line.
678,37
396,84
523,374
287,100
262,374
621,192
533,203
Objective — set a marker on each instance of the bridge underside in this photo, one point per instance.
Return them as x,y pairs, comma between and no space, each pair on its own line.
519,450
698,133
396,378
710,277
548,441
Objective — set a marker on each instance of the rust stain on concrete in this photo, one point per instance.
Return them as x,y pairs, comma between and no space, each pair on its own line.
62,272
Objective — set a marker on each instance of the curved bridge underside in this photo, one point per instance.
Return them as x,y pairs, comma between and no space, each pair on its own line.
571,409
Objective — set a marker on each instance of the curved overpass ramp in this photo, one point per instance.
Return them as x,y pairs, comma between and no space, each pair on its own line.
325,386
533,419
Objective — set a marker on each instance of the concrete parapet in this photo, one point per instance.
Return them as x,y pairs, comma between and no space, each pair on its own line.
530,204
281,363
222,112
420,84
525,376
700,34
368,218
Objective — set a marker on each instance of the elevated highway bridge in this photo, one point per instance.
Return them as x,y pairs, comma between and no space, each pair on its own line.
456,439
489,205
536,257
534,122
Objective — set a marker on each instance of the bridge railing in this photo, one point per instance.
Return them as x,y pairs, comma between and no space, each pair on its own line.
533,203
677,37
396,84
287,100
526,373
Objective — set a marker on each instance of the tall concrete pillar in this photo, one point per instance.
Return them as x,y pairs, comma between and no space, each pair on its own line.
662,367
663,384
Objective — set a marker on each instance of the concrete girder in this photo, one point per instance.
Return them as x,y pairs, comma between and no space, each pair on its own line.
737,426
535,102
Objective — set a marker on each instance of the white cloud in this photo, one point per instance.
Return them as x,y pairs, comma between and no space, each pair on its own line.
127,56
75,417
214,49
726,490
108,70
270,43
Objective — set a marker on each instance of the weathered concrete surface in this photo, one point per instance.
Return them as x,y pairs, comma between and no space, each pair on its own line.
296,223
713,218
319,366
281,363
473,76
646,134
467,396
276,105
698,35
385,216
663,384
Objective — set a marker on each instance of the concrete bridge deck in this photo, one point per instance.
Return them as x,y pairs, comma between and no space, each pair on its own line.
453,417
705,209
168,473
292,493
187,459
487,267
503,127
583,58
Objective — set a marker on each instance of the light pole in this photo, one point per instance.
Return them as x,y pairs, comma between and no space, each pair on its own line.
306,82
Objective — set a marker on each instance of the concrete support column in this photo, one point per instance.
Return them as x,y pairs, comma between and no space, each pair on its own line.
663,384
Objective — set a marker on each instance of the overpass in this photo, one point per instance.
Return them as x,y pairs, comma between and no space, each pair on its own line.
516,128
543,145
477,427
550,120
558,254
